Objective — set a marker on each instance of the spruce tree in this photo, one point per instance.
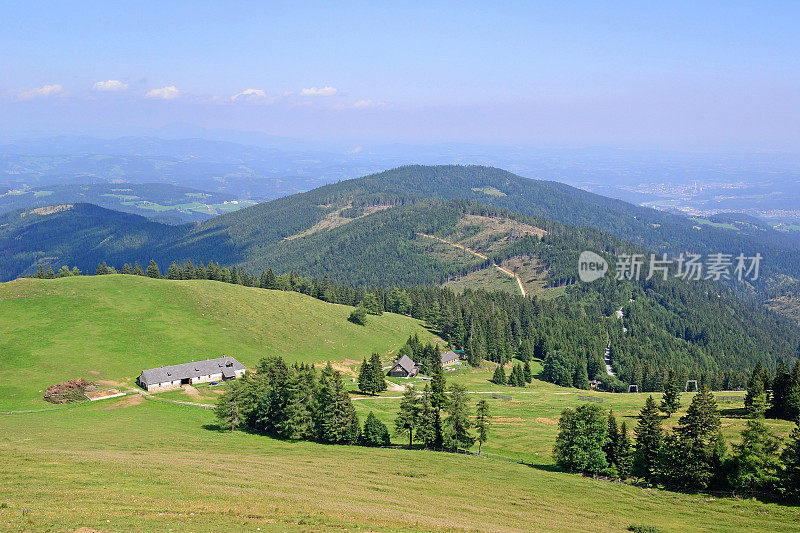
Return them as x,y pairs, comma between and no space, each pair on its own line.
756,464
374,432
624,453
426,426
790,474
438,401
137,269
127,269
671,400
482,423
49,274
152,270
648,440
611,446
781,386
526,370
499,376
173,273
366,383
408,418
235,404
580,377
39,272
458,421
793,394
376,373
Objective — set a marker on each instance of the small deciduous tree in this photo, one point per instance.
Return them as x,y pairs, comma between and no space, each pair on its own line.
582,434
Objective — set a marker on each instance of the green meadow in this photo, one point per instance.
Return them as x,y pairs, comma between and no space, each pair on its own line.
110,328
146,464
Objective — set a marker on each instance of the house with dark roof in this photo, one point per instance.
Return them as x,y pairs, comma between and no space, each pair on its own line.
450,358
172,377
404,367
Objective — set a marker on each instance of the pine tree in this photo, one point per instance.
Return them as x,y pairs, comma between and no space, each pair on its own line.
780,392
374,432
693,456
376,373
757,384
137,269
671,400
580,377
756,464
790,474
152,270
499,376
624,453
127,269
428,417
526,370
611,446
482,423
336,419
235,404
408,418
793,394
39,272
458,421
517,378
648,440
174,273
366,382
370,303
438,401
358,316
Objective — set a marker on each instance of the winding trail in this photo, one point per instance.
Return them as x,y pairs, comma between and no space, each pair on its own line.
504,270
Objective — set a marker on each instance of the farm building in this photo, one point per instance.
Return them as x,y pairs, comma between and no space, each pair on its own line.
172,377
404,368
449,358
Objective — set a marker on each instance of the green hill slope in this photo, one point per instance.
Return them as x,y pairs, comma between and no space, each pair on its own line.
112,327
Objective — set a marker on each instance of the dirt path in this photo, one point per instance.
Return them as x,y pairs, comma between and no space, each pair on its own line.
504,270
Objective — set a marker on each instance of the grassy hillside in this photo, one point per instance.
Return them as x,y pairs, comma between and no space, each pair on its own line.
112,327
152,466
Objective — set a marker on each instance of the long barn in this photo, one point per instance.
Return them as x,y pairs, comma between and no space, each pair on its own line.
172,377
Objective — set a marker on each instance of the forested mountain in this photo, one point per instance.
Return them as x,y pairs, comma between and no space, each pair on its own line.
424,227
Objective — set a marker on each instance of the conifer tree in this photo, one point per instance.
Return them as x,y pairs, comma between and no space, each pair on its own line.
376,373
374,432
408,418
580,377
793,394
781,388
648,440
366,382
39,272
235,404
438,400
499,376
756,463
624,453
482,423
790,474
526,369
370,303
173,273
152,270
611,446
358,316
458,421
336,419
126,269
671,400
137,269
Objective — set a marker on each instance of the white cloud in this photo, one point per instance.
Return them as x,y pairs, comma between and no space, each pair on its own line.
367,103
46,90
165,93
321,91
251,95
110,85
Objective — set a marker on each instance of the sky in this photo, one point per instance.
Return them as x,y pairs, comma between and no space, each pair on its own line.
678,75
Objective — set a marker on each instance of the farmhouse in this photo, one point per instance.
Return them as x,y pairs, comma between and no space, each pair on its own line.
404,368
172,377
449,358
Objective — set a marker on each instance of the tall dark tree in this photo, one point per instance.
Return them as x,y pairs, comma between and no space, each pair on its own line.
137,269
438,401
366,381
648,440
336,419
611,446
790,474
580,376
408,418
624,453
152,270
499,376
374,432
376,373
671,399
756,465
459,420
526,370
235,404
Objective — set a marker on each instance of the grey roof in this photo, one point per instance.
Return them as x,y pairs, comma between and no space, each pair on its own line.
406,364
449,356
196,369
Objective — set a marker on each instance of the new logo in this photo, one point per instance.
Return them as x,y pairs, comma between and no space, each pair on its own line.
591,267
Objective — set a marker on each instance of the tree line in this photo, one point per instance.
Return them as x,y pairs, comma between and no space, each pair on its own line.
693,456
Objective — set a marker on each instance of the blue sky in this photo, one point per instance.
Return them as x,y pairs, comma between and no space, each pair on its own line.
694,75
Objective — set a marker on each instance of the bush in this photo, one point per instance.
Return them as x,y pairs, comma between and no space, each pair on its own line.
358,316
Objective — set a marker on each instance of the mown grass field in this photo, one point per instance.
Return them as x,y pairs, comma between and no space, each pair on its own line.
155,466
137,464
110,328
